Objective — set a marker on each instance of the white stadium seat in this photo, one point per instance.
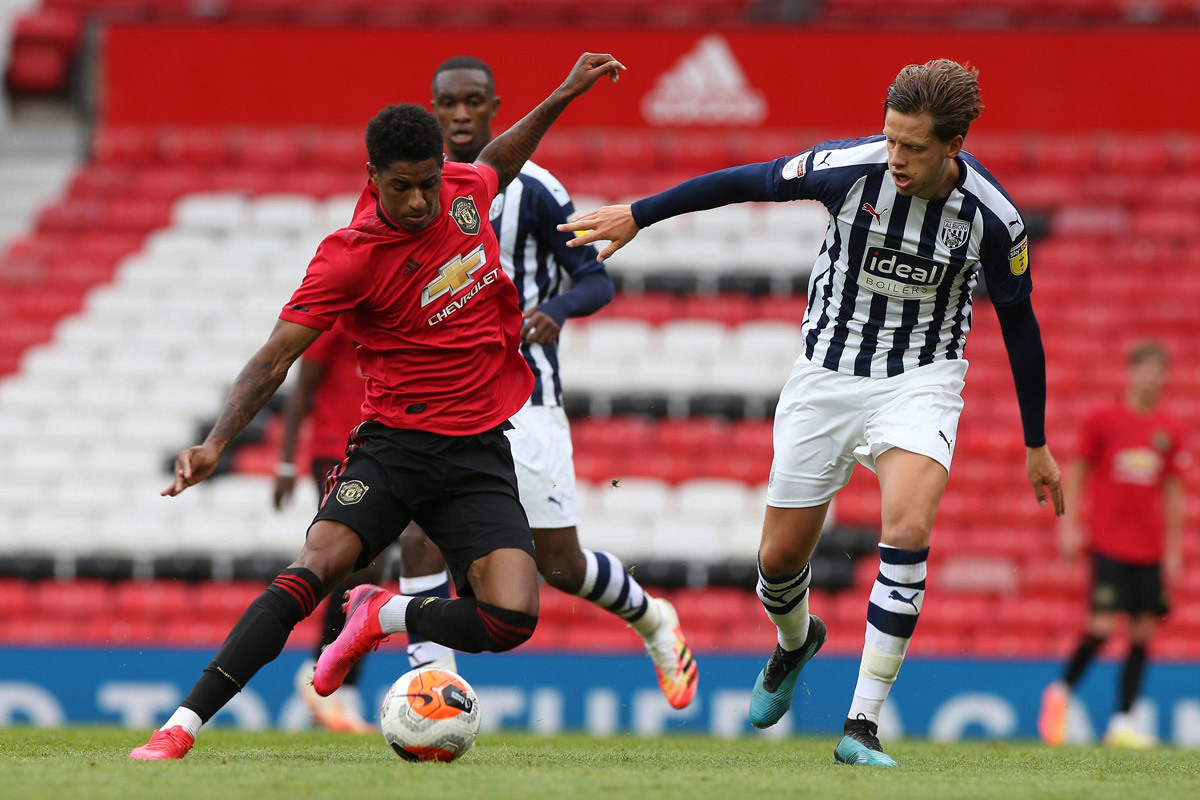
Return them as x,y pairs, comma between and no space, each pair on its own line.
212,212
288,214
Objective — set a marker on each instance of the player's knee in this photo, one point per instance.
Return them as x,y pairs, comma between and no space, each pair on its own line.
503,629
779,558
907,533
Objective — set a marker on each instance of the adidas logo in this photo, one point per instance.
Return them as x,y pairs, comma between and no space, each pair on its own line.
705,87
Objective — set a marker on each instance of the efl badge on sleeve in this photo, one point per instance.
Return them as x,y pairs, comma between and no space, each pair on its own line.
465,215
794,169
954,233
1018,257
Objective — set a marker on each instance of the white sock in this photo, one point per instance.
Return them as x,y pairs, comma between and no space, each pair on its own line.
786,602
896,600
391,614
185,718
426,652
423,583
609,585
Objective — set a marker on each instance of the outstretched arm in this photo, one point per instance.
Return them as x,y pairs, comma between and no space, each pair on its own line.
617,225
254,386
508,152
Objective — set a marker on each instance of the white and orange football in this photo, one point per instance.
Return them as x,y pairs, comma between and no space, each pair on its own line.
430,714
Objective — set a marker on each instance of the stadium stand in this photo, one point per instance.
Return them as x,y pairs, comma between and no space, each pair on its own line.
170,251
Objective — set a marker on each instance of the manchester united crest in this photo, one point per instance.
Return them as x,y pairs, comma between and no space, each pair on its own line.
465,215
351,492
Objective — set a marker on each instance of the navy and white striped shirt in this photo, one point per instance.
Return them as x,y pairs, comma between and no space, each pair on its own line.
535,255
891,288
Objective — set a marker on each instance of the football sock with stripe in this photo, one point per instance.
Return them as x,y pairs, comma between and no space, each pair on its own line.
608,584
462,624
436,585
892,613
786,602
256,639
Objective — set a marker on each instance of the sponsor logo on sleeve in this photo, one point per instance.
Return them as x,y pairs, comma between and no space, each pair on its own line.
1018,257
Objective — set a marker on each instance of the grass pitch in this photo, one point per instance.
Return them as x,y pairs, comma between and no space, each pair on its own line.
93,764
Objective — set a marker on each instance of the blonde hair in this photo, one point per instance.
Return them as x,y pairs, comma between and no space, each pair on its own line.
944,89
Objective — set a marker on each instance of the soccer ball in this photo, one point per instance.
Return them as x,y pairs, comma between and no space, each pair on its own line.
430,714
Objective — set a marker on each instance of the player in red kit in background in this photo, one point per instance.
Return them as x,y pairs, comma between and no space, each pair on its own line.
1131,462
416,281
329,393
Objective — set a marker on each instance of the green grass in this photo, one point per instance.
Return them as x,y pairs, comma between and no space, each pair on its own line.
92,764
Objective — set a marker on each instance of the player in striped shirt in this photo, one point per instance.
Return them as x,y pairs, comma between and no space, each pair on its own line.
914,220
553,282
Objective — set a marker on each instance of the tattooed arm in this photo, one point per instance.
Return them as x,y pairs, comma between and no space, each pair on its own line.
254,386
508,152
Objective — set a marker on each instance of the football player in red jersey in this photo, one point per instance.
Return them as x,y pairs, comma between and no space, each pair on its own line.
416,281
1130,462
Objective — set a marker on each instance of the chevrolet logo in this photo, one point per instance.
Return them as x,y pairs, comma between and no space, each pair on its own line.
454,276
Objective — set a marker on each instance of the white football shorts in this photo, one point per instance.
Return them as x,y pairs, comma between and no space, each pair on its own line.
541,448
826,421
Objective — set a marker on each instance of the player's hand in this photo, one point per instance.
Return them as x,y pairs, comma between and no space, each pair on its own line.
539,327
284,486
192,466
613,224
1043,473
588,69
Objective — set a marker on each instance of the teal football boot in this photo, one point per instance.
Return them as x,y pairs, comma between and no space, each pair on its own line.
860,745
772,695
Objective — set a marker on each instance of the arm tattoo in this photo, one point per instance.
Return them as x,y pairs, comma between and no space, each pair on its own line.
508,152
255,385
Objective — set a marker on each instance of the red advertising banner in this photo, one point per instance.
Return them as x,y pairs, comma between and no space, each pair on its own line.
803,78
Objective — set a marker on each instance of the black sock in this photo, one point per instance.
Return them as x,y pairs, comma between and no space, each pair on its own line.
256,639
1131,678
442,590
1083,656
470,626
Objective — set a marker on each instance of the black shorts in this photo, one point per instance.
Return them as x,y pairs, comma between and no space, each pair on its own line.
321,467
1121,586
462,490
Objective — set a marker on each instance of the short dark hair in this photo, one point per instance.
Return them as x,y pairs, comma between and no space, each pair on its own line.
465,62
944,89
1146,350
404,132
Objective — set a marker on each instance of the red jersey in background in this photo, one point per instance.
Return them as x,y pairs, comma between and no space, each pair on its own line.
338,400
1130,456
435,317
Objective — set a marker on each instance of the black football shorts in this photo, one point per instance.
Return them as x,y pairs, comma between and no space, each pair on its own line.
1132,588
462,490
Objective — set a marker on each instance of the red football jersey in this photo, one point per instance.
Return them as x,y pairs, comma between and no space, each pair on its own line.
436,319
1129,455
338,400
